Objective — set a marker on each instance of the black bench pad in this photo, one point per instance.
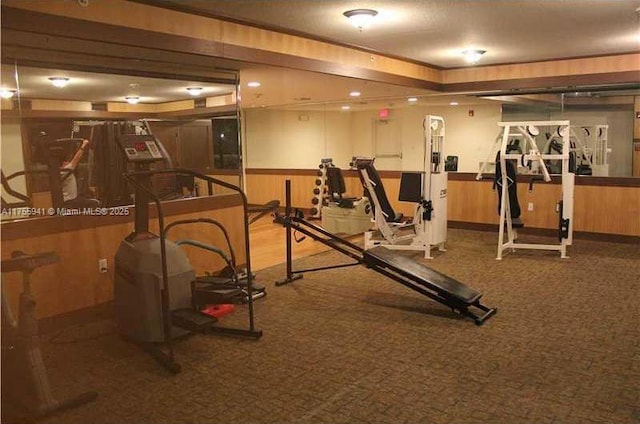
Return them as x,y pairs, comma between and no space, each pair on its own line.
418,273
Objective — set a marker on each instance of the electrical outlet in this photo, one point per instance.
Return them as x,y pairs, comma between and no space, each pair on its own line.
530,207
102,266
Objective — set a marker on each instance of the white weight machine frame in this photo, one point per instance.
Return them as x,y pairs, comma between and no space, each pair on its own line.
526,132
590,141
428,229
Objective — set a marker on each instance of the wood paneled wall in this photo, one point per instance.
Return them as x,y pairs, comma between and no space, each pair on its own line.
75,282
598,209
636,137
591,65
243,42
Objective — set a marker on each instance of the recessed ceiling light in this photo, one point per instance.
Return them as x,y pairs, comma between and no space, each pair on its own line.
360,18
7,94
194,91
473,55
253,84
355,94
59,81
132,100
346,107
412,99
454,103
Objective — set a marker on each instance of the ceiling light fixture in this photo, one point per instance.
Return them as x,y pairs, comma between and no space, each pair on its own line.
454,103
346,107
194,91
253,84
59,81
473,56
132,100
7,94
412,99
360,18
355,94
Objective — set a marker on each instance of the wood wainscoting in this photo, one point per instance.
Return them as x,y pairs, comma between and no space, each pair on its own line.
75,282
602,205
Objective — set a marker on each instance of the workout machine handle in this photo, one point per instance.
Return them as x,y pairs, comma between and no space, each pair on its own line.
210,248
207,221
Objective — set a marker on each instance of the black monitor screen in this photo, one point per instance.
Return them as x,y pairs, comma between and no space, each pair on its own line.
410,187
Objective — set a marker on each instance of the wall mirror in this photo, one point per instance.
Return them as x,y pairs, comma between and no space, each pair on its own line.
195,119
601,126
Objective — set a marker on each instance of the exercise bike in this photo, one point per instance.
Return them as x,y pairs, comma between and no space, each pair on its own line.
26,392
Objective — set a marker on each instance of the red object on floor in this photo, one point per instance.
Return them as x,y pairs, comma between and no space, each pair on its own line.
219,310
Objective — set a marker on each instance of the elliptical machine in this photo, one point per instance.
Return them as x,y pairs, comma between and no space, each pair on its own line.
157,295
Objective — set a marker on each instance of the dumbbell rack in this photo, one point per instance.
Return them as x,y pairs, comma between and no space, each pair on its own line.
319,198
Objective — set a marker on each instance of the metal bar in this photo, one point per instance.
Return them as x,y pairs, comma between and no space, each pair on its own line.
328,234
327,267
328,243
534,123
287,189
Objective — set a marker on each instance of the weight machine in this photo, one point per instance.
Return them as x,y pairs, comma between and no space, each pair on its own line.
523,135
428,189
343,214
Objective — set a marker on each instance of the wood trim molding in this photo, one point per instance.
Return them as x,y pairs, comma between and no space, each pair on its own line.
249,54
582,180
274,28
547,232
238,43
459,176
36,227
545,83
99,114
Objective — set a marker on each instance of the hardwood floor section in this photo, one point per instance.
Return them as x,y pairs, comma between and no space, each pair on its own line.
268,244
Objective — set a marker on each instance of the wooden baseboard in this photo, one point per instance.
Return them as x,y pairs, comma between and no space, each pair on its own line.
548,232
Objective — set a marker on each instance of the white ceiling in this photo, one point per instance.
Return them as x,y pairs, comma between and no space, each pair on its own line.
436,31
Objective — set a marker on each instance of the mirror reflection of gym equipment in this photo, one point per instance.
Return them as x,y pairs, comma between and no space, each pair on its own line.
340,213
158,297
588,153
26,391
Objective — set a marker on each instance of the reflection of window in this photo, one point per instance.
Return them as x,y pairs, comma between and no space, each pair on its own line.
225,143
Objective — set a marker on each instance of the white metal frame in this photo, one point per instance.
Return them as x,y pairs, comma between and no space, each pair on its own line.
530,153
423,234
590,141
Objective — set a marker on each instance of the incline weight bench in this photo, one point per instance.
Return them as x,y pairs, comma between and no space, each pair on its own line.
411,274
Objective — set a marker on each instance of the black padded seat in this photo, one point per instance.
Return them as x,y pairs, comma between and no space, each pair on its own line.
385,205
445,286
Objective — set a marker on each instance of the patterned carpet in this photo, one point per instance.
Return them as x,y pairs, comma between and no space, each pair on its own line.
350,346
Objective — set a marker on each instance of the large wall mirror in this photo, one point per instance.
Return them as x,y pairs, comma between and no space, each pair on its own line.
319,116
601,121
43,107
295,118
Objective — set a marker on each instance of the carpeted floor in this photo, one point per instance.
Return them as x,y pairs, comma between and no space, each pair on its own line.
349,346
